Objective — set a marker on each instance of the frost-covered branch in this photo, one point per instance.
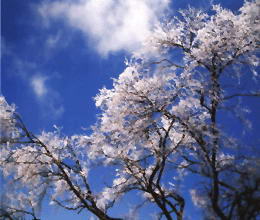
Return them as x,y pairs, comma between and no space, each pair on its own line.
160,121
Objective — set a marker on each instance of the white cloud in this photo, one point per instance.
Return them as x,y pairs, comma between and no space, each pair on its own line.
48,98
39,86
112,24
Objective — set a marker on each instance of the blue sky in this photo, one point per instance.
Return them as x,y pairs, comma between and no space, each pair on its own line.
56,55
51,68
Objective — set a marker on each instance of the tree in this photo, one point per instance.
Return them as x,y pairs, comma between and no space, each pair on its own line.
161,121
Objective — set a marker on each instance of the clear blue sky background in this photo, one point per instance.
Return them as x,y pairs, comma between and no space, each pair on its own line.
64,65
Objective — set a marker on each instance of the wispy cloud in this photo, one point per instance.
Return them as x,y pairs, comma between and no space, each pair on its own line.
38,81
53,40
5,50
112,24
57,40
39,86
47,97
